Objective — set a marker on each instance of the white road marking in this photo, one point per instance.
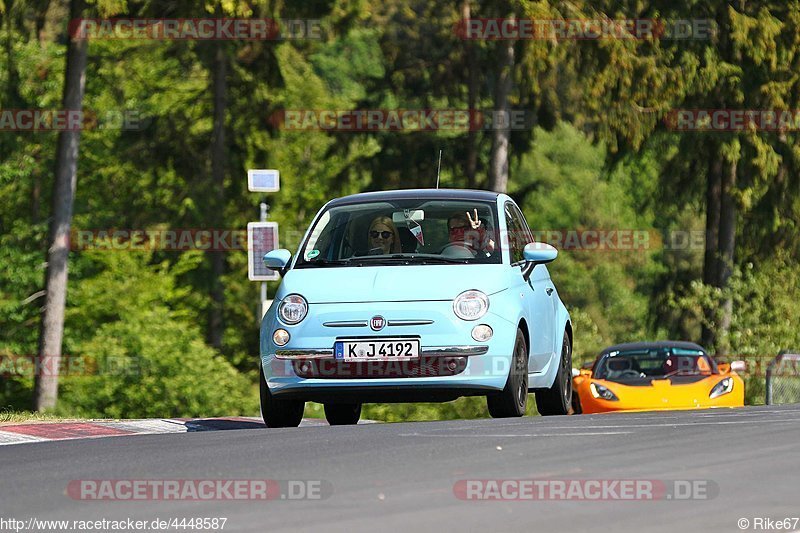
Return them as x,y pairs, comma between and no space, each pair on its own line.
7,437
582,434
627,426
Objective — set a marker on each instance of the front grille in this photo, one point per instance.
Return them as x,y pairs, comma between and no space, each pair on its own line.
415,368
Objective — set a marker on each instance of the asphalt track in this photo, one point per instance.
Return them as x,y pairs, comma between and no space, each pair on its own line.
400,477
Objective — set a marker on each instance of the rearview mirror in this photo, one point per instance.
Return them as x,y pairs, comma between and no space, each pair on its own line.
400,217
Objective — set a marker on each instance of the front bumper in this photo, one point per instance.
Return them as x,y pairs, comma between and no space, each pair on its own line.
649,400
306,368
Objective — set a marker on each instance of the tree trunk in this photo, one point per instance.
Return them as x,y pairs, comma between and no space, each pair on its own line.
472,98
12,98
498,165
218,160
52,325
727,248
710,260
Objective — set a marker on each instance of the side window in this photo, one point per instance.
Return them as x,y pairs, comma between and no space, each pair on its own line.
526,230
516,234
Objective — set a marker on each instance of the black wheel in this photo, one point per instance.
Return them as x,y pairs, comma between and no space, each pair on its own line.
342,414
557,400
513,400
279,413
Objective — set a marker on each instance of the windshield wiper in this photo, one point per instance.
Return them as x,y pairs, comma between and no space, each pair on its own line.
424,258
418,258
377,259
325,262
679,373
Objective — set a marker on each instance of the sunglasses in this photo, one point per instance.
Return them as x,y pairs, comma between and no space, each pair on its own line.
384,234
457,229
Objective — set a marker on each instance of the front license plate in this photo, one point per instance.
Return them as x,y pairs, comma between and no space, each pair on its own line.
377,350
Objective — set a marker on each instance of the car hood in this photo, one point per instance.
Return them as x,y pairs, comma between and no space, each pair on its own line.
392,283
663,393
653,382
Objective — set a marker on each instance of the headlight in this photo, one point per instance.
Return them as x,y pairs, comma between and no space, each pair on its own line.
470,305
599,391
723,387
293,309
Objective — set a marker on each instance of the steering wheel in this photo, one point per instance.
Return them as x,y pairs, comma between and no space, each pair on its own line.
630,374
457,250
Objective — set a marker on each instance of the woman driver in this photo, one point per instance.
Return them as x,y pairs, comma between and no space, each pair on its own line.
383,235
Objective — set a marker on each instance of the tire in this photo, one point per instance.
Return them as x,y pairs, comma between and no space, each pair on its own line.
342,414
279,413
557,400
513,399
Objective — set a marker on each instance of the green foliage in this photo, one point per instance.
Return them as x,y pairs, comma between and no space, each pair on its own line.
143,354
766,296
563,186
598,158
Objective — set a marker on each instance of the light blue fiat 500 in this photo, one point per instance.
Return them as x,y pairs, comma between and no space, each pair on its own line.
415,295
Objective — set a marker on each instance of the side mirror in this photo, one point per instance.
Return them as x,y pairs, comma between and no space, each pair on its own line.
278,260
537,253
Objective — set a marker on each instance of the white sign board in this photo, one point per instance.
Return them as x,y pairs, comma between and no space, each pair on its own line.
262,237
263,180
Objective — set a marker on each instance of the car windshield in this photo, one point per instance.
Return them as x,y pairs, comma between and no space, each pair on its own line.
403,232
653,363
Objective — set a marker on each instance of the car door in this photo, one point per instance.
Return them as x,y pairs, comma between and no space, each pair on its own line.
538,295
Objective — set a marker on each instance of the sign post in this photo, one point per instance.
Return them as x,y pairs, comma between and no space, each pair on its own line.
262,236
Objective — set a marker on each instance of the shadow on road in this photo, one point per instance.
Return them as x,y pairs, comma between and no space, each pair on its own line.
218,424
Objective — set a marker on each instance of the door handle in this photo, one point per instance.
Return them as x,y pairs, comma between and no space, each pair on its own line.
549,290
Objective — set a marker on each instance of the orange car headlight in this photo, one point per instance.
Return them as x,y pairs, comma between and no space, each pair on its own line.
723,387
599,391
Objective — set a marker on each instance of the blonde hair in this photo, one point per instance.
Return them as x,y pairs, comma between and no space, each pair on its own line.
386,221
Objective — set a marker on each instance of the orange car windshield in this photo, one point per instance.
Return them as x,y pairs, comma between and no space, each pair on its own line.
653,363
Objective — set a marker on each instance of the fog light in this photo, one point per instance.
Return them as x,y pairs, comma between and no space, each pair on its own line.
452,365
280,337
482,333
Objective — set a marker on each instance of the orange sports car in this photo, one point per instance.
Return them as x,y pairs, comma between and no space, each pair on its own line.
648,376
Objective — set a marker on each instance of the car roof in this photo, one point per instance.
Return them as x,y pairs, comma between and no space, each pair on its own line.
410,194
657,344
